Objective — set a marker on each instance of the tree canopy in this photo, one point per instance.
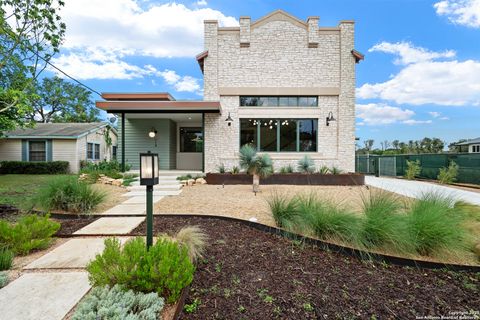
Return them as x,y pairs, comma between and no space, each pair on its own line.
425,145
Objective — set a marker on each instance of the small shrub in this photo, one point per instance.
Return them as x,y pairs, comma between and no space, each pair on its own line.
328,220
109,168
26,167
384,223
185,177
221,168
165,268
192,307
287,169
3,279
235,170
194,239
335,170
324,170
6,259
69,194
434,226
306,164
448,175
284,210
115,303
29,233
413,169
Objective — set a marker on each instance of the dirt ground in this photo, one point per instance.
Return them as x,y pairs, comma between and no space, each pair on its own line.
239,201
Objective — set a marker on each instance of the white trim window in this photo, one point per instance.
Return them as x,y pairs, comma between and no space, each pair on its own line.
476,148
93,151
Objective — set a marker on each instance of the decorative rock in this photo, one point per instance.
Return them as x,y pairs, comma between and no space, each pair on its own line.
200,181
184,182
117,182
190,182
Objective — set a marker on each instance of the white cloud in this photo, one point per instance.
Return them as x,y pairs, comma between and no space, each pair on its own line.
462,12
381,114
408,53
413,122
181,84
444,118
426,81
434,114
202,3
161,30
170,76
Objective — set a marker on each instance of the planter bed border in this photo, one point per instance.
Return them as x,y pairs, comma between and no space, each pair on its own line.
316,179
325,245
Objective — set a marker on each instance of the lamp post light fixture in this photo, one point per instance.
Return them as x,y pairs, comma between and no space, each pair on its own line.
149,178
329,118
229,120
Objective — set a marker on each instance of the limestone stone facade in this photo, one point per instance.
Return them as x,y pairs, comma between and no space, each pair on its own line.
274,56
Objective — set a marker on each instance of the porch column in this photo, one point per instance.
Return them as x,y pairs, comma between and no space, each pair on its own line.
203,144
123,141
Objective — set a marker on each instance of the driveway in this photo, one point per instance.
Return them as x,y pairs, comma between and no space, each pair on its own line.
415,189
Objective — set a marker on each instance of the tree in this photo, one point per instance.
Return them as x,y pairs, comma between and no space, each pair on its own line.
368,144
385,145
62,101
396,144
31,32
260,166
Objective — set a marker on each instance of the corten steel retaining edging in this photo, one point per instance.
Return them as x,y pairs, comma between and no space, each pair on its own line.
349,251
350,179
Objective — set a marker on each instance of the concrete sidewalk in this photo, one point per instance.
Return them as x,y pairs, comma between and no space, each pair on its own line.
415,189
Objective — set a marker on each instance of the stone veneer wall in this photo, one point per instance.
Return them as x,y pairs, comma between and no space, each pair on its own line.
279,56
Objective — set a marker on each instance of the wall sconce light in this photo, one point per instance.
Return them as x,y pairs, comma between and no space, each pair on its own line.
229,120
329,118
149,178
153,132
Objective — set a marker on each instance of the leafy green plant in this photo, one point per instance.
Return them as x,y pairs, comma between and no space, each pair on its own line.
413,169
260,166
69,194
185,177
384,222
287,169
284,210
29,233
110,169
235,170
434,225
3,279
6,259
116,303
192,307
324,170
448,175
335,170
165,268
306,164
221,168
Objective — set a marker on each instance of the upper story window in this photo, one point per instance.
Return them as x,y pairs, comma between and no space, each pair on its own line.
278,101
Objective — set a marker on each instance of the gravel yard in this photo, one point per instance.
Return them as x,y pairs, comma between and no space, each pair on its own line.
239,201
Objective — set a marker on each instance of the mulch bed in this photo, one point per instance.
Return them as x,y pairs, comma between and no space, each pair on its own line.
250,274
70,225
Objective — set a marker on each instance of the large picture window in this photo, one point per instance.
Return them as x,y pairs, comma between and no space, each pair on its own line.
191,139
278,101
37,151
280,135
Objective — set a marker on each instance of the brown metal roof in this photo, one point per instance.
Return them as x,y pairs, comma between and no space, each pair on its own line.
159,106
358,56
137,96
200,58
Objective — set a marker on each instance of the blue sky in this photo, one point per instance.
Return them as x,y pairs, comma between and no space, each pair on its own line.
420,77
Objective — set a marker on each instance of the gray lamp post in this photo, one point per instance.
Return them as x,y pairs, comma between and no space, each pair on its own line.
149,178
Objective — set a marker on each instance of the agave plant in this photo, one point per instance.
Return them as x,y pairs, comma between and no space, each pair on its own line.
324,170
306,164
260,166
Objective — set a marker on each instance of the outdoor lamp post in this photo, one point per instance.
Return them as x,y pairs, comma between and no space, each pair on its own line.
149,178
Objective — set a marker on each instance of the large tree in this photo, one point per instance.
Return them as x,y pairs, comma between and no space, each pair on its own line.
58,100
31,32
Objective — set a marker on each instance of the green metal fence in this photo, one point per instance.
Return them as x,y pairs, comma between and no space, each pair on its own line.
469,165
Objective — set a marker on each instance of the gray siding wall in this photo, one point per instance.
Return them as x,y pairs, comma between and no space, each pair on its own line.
137,141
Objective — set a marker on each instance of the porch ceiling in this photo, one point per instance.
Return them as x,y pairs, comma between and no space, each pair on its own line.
132,106
177,117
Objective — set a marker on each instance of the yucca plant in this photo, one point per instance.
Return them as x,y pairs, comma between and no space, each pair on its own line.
287,169
335,170
235,170
434,225
324,170
260,166
306,164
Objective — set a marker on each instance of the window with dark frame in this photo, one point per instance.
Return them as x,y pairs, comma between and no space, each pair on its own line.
280,135
114,152
37,151
191,139
279,101
93,151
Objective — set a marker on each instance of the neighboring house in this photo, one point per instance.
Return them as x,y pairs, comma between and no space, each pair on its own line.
72,142
271,83
472,145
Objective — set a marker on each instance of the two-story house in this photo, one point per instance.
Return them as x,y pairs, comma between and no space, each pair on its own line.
284,85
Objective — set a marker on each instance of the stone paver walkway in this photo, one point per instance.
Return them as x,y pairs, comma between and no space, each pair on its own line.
119,226
131,209
42,296
415,189
141,200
